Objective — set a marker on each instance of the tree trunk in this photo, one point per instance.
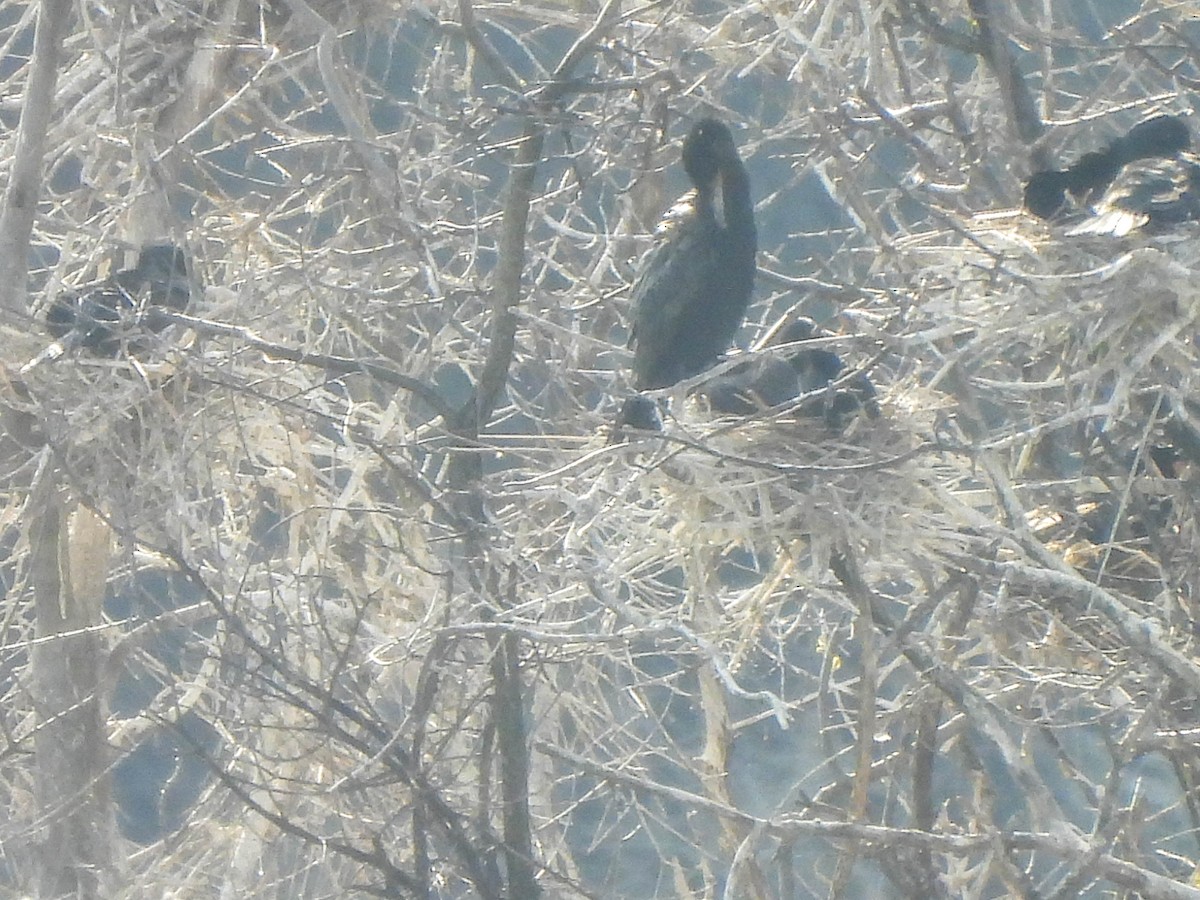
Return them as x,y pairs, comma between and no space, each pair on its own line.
75,844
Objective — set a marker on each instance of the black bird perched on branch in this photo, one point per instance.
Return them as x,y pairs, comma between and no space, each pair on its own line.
691,295
1148,193
771,381
101,316
1117,176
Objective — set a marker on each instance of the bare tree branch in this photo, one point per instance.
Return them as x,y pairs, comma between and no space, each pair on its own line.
24,190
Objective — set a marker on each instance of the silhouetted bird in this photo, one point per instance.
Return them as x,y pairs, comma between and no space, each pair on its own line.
1147,194
694,287
771,381
753,386
1090,178
102,316
692,293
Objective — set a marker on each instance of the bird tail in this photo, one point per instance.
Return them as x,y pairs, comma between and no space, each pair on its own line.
55,351
1114,222
51,353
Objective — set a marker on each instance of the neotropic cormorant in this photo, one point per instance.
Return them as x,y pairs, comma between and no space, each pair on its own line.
1149,193
1089,179
692,293
99,317
772,381
753,386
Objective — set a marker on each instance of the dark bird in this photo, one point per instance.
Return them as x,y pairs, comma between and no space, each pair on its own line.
752,387
638,412
101,317
1151,193
691,295
772,381
1091,178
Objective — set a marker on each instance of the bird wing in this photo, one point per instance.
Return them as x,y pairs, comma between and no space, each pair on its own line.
683,209
673,228
675,273
1163,190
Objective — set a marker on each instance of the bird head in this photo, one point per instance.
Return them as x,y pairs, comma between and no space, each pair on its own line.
800,329
708,147
1045,193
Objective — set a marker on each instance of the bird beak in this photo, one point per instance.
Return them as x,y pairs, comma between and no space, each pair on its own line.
719,197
